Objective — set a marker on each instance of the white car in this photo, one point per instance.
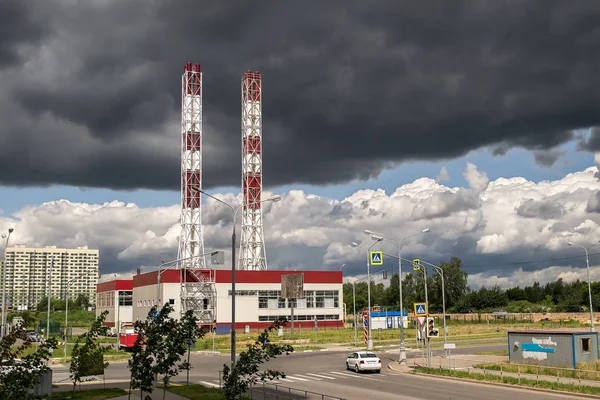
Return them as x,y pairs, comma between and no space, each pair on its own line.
363,361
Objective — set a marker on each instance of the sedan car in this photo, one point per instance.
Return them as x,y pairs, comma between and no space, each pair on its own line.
363,361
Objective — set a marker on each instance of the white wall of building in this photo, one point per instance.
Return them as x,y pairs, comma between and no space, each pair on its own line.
248,310
145,297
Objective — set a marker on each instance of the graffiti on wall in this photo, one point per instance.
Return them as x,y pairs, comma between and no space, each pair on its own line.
539,348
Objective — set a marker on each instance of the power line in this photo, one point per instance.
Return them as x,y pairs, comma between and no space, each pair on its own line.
535,261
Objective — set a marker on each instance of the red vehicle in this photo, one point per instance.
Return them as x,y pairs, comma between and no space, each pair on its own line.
127,337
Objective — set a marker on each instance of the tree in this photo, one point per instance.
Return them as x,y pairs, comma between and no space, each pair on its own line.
20,379
246,371
191,332
82,301
85,356
160,344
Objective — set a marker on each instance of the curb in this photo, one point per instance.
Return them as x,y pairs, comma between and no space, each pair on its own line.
560,392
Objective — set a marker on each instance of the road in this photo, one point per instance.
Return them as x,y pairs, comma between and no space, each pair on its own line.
325,372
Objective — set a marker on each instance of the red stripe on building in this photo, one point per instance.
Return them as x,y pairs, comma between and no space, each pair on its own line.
224,276
167,276
119,284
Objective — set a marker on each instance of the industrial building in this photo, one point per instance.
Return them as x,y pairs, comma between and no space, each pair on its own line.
258,298
106,295
33,273
557,348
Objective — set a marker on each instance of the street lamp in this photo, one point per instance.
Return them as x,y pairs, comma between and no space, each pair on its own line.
440,271
234,211
587,262
3,330
370,337
402,352
67,312
342,266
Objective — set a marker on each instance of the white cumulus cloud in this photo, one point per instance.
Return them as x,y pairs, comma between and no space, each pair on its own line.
490,225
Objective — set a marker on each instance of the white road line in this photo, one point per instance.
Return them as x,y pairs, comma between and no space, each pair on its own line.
308,377
209,384
294,378
319,376
357,376
344,374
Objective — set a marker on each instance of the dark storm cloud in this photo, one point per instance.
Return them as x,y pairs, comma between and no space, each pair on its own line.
547,158
350,88
17,28
546,209
592,143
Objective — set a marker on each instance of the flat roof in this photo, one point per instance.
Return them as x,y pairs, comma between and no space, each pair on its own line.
554,332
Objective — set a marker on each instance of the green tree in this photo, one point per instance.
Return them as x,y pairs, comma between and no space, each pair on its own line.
246,371
158,349
455,281
191,332
82,301
18,381
87,351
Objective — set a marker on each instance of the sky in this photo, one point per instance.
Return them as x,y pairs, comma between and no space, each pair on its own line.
477,120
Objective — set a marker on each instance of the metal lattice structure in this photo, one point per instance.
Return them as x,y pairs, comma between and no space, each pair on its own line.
252,245
198,291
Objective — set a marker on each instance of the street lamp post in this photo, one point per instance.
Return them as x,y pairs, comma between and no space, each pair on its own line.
370,337
234,212
440,271
402,351
49,296
67,312
3,329
587,262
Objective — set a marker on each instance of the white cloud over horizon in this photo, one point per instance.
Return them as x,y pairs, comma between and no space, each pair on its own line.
490,225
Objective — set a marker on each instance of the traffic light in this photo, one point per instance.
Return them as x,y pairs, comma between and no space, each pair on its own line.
416,264
432,331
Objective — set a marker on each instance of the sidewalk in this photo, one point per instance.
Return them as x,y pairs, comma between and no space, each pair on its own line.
156,395
120,384
459,363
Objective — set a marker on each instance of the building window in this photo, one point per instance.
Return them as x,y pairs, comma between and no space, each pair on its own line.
125,297
171,301
269,299
326,299
585,345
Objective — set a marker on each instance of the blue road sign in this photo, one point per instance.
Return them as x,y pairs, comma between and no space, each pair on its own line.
376,257
420,309
366,322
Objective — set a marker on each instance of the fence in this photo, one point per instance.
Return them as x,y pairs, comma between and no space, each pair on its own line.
272,391
267,391
520,371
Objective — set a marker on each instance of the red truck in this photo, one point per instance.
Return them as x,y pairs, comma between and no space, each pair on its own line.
127,337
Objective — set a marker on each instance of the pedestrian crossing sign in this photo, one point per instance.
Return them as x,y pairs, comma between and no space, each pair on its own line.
420,309
376,257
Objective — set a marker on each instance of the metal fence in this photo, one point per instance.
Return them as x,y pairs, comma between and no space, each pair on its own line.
266,391
274,391
519,371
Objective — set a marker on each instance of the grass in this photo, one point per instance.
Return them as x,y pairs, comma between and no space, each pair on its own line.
564,387
583,371
492,353
199,392
307,337
92,394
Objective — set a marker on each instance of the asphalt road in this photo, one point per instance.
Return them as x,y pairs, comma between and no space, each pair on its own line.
325,372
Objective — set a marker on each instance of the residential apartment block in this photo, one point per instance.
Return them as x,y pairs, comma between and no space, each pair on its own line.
33,272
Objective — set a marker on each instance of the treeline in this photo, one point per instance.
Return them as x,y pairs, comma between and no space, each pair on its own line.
557,296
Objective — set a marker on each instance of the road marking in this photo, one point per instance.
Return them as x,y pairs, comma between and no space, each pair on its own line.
209,384
293,378
308,377
344,374
357,376
320,376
